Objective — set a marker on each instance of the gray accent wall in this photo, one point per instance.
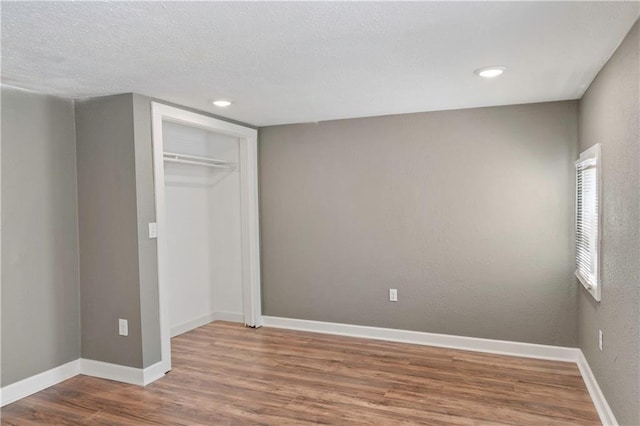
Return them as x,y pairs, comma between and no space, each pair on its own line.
147,248
468,213
107,206
40,283
609,115
118,261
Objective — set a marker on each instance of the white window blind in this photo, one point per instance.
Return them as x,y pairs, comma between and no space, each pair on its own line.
588,220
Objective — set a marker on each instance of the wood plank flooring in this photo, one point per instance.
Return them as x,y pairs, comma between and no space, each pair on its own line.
225,374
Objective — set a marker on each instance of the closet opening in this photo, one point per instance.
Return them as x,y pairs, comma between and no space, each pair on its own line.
205,175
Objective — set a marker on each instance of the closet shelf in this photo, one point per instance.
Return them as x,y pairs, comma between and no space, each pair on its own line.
173,157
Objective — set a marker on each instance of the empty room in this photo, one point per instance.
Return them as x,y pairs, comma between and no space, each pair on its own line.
290,213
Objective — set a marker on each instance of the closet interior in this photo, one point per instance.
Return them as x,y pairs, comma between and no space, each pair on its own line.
203,226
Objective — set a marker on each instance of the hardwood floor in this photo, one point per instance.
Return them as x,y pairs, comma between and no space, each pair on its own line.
226,374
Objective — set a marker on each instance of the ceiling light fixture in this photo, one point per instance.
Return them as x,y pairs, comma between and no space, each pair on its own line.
222,103
490,72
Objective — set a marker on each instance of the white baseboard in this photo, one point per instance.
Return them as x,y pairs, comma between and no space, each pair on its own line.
190,325
602,406
88,367
229,316
154,372
122,373
105,370
143,377
502,347
206,319
33,384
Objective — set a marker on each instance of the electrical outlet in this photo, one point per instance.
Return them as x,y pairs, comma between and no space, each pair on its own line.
123,327
600,340
393,295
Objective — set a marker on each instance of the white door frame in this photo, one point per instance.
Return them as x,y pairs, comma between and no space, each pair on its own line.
248,166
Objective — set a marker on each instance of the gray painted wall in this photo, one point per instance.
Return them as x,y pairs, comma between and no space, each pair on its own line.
40,285
468,213
609,114
147,248
118,262
107,207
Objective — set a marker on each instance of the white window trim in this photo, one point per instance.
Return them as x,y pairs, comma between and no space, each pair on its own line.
593,282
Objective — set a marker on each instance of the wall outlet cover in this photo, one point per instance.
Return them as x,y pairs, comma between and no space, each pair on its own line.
393,295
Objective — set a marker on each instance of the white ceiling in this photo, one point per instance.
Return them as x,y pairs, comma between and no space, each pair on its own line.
291,62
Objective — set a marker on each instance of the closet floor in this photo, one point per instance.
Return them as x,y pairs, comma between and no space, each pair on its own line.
224,373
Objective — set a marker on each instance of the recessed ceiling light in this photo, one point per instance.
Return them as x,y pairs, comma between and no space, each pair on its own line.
490,72
222,103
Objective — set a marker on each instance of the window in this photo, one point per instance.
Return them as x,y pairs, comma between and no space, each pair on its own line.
588,220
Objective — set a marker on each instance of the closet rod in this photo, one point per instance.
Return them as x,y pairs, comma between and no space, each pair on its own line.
178,156
197,163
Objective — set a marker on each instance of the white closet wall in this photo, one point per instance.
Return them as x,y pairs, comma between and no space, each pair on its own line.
203,229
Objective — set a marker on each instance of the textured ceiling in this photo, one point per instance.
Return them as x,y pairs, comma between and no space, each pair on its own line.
291,62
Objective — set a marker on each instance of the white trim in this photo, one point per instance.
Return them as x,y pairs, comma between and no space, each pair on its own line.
2,394
248,166
251,287
140,377
599,401
229,316
88,367
206,319
502,347
153,373
158,172
592,284
190,325
122,373
33,384
105,370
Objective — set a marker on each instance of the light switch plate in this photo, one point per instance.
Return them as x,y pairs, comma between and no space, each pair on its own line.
153,230
600,340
